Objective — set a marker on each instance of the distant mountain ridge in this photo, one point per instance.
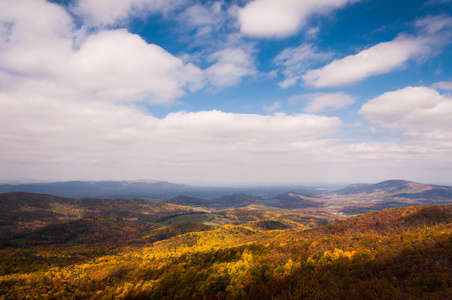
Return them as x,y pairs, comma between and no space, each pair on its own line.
361,198
289,200
395,187
293,200
100,189
155,190
353,199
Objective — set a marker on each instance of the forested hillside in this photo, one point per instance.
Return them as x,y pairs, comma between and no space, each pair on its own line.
246,253
22,213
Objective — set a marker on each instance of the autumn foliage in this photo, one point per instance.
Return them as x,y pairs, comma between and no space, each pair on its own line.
402,253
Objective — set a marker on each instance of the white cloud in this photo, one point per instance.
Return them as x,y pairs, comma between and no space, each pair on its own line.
434,33
328,101
434,24
268,18
61,116
379,59
410,110
28,41
444,85
132,71
203,15
76,136
113,65
294,61
418,121
50,49
252,128
67,106
230,66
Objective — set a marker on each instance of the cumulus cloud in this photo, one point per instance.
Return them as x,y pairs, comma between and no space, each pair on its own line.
112,65
268,18
132,71
419,119
229,67
66,102
135,70
76,136
203,15
379,59
328,101
69,103
295,61
29,42
410,110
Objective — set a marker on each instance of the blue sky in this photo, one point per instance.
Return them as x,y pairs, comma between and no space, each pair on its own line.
226,92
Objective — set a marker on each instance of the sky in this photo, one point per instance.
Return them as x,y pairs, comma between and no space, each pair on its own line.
226,92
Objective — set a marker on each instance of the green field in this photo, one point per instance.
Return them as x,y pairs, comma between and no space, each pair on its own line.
21,241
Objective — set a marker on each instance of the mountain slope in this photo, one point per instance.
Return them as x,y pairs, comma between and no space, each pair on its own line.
294,201
402,253
361,198
189,201
22,212
236,200
391,187
89,230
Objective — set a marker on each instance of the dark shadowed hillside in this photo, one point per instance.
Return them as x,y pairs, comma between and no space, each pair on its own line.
229,201
89,230
293,200
22,212
189,201
236,200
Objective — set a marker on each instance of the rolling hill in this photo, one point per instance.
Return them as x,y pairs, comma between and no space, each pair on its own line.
289,200
38,219
391,187
403,253
361,198
23,212
293,200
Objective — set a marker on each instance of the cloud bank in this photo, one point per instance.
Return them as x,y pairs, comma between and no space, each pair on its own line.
328,101
78,92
